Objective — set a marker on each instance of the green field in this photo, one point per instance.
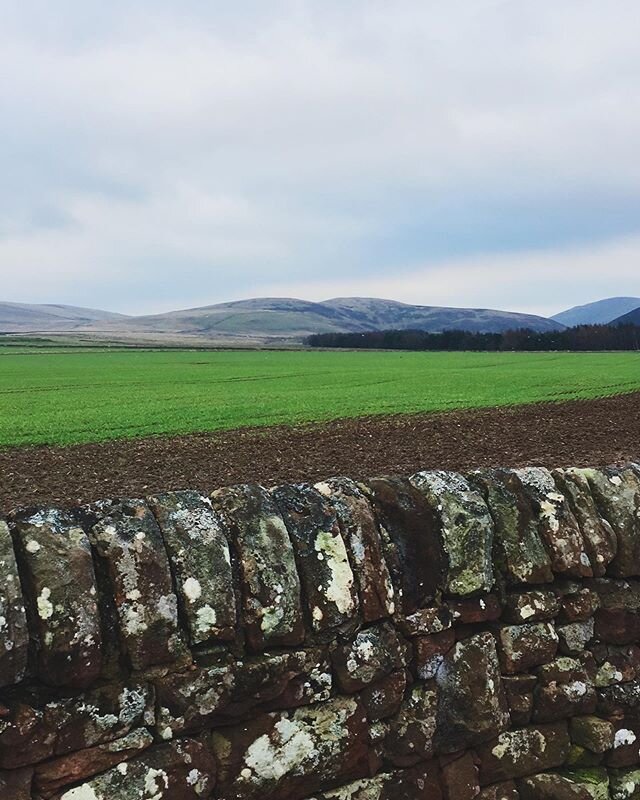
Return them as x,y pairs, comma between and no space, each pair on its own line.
62,396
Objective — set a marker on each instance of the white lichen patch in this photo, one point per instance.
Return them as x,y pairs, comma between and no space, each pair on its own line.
270,759
339,589
32,546
155,782
84,792
623,737
206,619
45,606
192,589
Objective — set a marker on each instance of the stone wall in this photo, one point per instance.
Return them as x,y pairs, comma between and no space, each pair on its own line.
440,637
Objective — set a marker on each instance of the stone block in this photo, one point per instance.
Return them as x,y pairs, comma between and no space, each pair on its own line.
593,733
600,540
522,556
130,547
271,606
181,770
522,647
60,584
411,736
362,537
14,636
429,653
201,562
472,706
292,755
466,530
537,605
616,492
460,779
412,542
523,752
367,657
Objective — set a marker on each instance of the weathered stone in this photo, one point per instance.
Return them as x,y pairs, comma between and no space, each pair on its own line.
599,538
574,637
54,775
181,770
16,785
526,646
521,553
557,525
370,655
411,539
472,610
615,664
412,730
408,784
14,636
617,621
616,492
625,742
425,621
201,562
362,537
579,606
581,757
60,582
289,756
625,784
272,609
505,790
383,699
516,754
429,653
130,546
533,606
564,690
201,697
467,530
617,700
591,784
321,556
519,692
31,733
460,779
472,705
594,733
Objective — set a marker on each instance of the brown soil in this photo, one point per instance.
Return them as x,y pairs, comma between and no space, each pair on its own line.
580,432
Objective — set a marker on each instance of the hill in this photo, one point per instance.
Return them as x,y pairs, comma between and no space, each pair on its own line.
267,319
598,313
294,319
33,318
632,318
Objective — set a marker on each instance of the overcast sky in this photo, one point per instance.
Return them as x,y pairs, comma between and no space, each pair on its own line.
158,155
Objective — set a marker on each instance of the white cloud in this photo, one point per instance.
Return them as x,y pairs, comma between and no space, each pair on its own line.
195,153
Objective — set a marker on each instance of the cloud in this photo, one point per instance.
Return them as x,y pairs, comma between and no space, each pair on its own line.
161,155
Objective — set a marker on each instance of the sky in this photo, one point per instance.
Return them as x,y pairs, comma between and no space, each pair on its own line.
157,155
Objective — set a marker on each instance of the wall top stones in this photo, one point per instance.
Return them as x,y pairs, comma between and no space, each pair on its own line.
284,642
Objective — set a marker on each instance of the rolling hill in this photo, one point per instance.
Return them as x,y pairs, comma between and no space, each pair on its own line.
268,318
292,319
632,318
599,313
34,318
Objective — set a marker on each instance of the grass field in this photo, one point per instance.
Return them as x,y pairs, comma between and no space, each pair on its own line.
73,396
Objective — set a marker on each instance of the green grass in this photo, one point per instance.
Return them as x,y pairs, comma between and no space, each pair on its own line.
62,396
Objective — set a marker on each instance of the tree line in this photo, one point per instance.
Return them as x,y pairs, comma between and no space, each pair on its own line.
582,337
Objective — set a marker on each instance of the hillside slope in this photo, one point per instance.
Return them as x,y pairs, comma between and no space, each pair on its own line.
632,318
294,319
33,318
598,313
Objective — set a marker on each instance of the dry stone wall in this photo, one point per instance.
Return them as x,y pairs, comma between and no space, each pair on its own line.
441,637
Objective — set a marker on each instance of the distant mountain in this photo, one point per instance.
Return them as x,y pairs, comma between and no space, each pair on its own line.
598,313
33,318
269,318
279,318
632,318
